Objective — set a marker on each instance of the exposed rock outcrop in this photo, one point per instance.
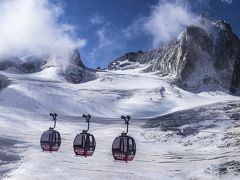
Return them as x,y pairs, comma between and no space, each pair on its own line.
33,63
76,71
4,81
27,64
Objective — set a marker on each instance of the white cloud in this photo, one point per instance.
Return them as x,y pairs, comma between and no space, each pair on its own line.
97,19
227,1
33,26
167,20
103,39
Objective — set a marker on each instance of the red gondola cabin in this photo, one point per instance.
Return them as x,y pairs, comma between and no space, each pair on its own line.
84,143
124,146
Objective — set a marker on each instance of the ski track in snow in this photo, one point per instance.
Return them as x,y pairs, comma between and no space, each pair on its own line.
26,103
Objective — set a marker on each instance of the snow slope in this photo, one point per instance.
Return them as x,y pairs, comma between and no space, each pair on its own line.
27,101
110,95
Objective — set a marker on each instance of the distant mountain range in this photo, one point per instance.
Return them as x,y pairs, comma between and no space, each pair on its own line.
204,57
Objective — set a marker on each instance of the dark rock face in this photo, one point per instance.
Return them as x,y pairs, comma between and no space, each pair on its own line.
76,75
130,58
28,64
31,64
76,72
205,57
235,83
4,81
75,58
7,62
211,59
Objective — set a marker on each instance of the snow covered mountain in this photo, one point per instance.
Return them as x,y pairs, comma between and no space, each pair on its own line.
173,128
205,57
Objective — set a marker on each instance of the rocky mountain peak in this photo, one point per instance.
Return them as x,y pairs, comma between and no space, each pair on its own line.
205,57
223,25
75,58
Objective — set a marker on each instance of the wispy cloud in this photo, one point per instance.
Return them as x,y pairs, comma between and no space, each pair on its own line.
167,20
109,42
227,1
34,27
97,19
135,29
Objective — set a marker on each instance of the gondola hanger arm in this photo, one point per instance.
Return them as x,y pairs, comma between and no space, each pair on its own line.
54,116
126,119
88,118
